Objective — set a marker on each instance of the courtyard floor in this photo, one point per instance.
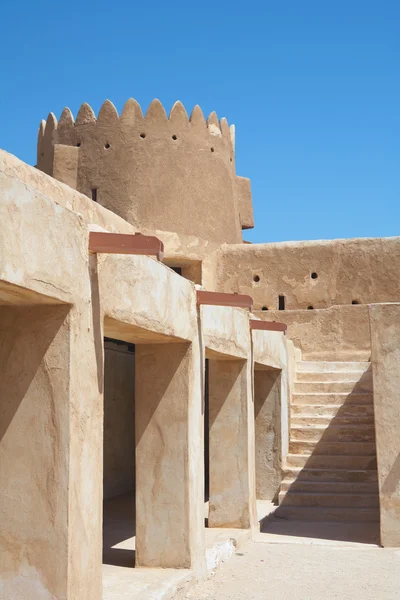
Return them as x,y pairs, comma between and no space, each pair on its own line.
121,581
309,562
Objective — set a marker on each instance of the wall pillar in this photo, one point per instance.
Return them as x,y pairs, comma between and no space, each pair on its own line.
34,442
231,428
86,377
267,407
385,346
169,456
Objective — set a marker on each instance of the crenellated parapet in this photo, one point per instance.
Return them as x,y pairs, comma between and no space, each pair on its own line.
175,173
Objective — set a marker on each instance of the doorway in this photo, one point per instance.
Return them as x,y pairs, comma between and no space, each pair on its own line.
119,454
206,436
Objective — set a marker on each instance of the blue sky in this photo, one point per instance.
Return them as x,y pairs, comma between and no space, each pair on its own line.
313,88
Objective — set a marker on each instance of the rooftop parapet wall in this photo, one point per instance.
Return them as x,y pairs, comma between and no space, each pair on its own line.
314,274
174,174
335,333
39,183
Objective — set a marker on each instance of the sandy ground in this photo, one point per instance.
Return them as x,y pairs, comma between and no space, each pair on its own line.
304,571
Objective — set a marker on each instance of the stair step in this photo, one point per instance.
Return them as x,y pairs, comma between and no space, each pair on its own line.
333,376
329,487
332,387
326,410
329,500
336,448
330,421
336,433
331,475
306,513
332,398
321,366
326,461
331,471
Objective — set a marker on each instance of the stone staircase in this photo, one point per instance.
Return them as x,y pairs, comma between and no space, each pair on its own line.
331,471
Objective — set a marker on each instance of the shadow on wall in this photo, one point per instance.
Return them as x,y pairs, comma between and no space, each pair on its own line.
25,337
34,445
216,399
335,494
267,421
230,371
162,379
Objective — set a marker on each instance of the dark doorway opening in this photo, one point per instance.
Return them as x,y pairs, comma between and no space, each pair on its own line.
119,454
206,434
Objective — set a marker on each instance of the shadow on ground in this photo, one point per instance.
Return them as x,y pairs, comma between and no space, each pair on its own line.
119,527
347,450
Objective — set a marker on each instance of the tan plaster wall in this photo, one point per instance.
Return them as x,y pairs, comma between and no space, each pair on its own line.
145,294
169,460
65,165
49,257
273,350
173,174
34,452
364,270
38,184
267,407
245,202
385,342
269,349
225,331
119,420
180,248
336,333
288,379
86,453
52,264
232,493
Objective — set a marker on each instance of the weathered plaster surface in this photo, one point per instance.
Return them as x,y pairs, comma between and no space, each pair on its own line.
225,331
343,269
50,264
41,184
245,204
169,461
336,333
85,454
231,441
269,349
385,342
274,372
180,248
144,294
66,161
154,171
267,407
34,457
287,389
